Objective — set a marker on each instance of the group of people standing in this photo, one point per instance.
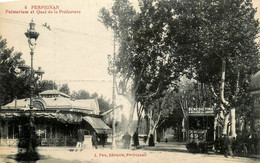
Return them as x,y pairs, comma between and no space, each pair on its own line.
94,139
126,139
102,139
241,145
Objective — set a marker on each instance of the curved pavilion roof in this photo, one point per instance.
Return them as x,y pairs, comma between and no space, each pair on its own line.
54,92
56,103
53,104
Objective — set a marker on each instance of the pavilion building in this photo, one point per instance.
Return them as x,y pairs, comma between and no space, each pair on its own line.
56,116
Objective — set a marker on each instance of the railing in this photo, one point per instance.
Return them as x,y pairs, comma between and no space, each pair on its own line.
8,142
65,141
58,141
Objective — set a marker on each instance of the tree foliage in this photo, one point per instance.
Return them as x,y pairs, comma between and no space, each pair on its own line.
219,48
12,84
46,85
81,94
212,42
65,89
216,30
144,61
104,104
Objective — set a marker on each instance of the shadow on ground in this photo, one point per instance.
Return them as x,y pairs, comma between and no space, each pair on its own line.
43,159
163,149
12,158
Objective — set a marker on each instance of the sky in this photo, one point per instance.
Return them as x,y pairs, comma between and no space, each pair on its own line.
75,50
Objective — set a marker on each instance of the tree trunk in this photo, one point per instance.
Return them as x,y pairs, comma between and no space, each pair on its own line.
155,135
147,120
131,115
222,85
224,103
139,110
233,122
139,115
241,124
225,128
184,123
163,133
151,125
215,126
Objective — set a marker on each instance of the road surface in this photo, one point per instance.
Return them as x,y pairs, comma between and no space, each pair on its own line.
163,152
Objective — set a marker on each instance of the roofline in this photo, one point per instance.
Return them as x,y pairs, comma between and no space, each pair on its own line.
48,111
200,114
109,111
60,93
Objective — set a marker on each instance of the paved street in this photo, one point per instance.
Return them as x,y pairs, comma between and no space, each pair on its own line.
161,153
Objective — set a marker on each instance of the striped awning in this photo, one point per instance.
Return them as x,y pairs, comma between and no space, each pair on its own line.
98,125
61,117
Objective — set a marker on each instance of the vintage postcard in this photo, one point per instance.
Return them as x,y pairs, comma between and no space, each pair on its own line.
129,81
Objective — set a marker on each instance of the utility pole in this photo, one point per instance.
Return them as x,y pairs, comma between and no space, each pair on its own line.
114,97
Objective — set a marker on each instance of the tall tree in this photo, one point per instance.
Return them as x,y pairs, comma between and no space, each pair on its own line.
65,89
120,20
81,94
46,85
104,104
219,48
144,62
169,38
13,85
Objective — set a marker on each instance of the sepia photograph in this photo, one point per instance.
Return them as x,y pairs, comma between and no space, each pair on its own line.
107,81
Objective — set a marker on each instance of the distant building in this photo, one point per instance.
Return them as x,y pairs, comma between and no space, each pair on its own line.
255,92
57,119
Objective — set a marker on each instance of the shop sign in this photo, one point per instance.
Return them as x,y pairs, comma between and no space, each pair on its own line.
201,110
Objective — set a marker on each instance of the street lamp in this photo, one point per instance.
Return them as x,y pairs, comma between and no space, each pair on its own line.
32,36
111,69
39,72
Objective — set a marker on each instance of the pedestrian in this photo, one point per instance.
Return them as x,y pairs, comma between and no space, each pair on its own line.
228,146
80,140
253,143
126,140
103,138
94,139
151,140
136,139
217,145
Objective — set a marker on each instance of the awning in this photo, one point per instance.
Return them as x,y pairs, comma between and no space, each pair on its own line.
98,125
59,116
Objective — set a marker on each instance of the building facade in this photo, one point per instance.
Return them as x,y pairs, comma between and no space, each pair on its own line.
57,119
255,92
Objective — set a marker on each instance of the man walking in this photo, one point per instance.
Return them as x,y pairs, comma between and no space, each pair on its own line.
103,139
94,139
80,140
228,146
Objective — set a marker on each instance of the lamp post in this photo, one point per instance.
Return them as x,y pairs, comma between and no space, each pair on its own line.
111,69
32,36
39,72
